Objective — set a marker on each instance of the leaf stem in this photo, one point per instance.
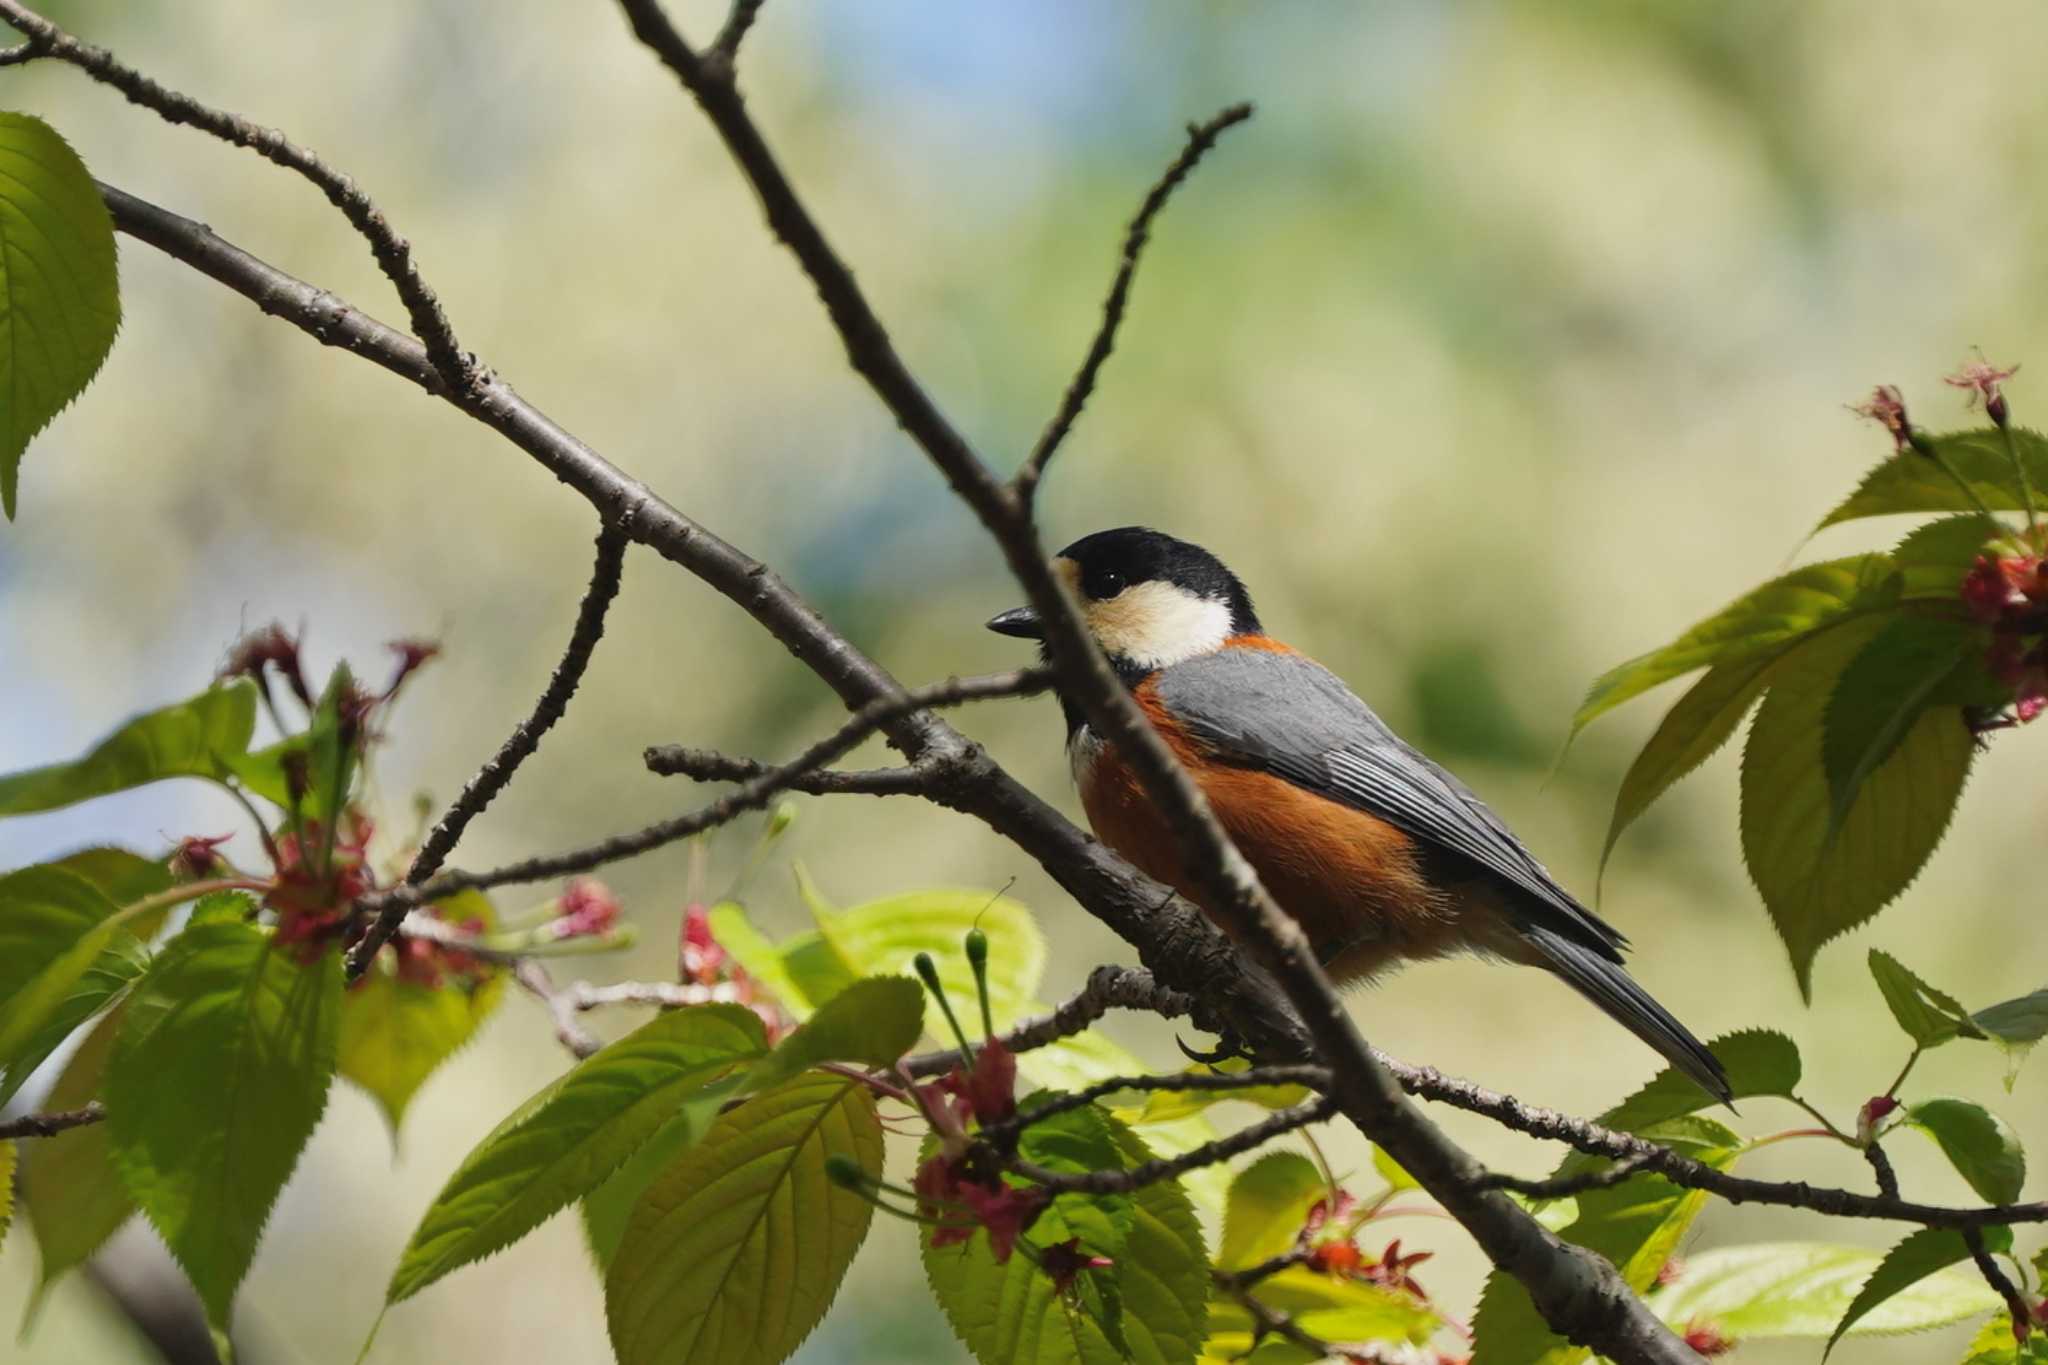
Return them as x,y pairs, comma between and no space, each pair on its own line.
1892,1090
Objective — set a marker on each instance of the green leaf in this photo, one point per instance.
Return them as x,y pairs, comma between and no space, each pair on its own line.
1891,683
395,1032
881,937
73,948
1803,1289
1981,1146
872,1022
1690,733
1907,1264
561,1144
1934,558
1758,1062
758,955
123,877
1994,1344
219,1075
2016,1025
1819,882
1908,482
1929,1017
1754,625
1269,1202
9,1155
75,1199
609,1208
1010,1313
195,738
1333,1309
60,296
734,1254
1391,1172
1637,1225
1164,1106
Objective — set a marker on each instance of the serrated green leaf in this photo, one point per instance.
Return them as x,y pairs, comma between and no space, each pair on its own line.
69,949
1886,688
1981,1146
562,1144
60,296
734,1254
1758,1062
1269,1202
1636,1225
1922,1254
194,738
1934,558
881,937
1165,1106
218,1076
1908,482
1011,1314
1756,624
124,878
873,1022
75,1199
1929,1017
608,1208
1803,1289
395,1032
9,1155
1818,883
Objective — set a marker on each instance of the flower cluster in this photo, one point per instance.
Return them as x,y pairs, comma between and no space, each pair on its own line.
963,1177
2009,593
701,960
319,879
1329,1243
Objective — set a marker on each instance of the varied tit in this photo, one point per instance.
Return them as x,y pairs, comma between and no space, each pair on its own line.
1381,855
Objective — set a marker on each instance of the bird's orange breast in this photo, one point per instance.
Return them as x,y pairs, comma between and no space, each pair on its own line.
1355,883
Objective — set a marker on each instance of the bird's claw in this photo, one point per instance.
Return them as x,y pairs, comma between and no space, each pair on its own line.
1229,1047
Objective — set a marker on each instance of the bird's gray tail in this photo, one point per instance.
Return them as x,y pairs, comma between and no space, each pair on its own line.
1607,984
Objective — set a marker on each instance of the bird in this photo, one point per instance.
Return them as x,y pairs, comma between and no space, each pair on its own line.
1381,855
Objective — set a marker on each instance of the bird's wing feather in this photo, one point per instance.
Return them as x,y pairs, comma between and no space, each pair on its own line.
1285,714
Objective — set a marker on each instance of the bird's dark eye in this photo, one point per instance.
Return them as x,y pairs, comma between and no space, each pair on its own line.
1102,583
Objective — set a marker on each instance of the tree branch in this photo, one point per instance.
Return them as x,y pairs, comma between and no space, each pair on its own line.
561,1008
1168,1168
393,252
49,1125
483,788
1201,137
1578,1293
710,765
1004,1133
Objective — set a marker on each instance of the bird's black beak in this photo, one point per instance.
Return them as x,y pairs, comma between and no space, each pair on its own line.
1021,622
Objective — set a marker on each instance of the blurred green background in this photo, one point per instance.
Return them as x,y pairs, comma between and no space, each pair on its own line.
1506,341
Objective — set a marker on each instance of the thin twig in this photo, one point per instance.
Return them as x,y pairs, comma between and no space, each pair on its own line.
1109,987
710,765
24,52
1003,1133
534,977
1167,1168
1264,1270
49,1125
483,788
748,796
2015,1302
1562,1186
1201,137
393,252
744,12
1881,1166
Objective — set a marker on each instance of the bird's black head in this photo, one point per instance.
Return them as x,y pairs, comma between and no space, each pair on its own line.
1149,599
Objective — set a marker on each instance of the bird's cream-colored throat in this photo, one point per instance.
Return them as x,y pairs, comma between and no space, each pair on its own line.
1153,624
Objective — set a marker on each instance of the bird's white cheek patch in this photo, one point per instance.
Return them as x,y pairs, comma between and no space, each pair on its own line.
1158,624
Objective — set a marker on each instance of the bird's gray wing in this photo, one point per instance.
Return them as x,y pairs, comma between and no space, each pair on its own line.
1287,715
